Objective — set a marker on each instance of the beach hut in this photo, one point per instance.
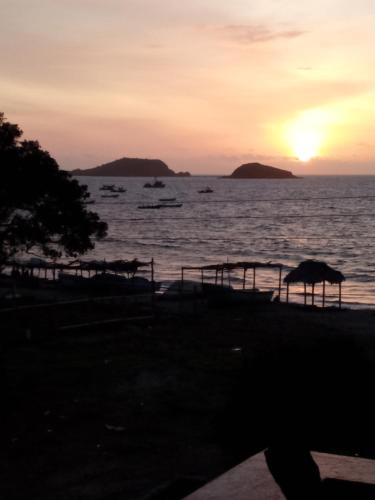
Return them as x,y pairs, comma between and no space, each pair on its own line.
311,272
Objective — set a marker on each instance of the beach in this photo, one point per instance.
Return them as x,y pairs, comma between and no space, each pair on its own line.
168,402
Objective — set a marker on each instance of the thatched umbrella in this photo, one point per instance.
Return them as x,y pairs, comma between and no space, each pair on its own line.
311,272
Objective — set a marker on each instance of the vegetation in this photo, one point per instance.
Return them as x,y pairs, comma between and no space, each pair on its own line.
42,208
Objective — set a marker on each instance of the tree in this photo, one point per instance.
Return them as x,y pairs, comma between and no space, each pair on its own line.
42,208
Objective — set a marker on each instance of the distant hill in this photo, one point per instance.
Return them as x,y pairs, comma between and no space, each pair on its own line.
259,171
131,167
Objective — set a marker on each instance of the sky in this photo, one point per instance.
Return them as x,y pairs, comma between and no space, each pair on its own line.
204,85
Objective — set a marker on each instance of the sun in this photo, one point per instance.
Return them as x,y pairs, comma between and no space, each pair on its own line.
305,144
305,135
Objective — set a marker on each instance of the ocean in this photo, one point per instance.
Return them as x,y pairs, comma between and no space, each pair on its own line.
329,218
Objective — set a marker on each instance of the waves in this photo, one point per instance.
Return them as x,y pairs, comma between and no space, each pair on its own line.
326,218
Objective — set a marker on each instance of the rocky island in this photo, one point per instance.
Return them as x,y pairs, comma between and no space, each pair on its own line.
131,167
259,171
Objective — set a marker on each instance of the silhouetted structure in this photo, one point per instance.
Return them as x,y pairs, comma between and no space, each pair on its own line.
36,265
219,270
311,272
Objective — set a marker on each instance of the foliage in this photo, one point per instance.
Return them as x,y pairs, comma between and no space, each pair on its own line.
41,207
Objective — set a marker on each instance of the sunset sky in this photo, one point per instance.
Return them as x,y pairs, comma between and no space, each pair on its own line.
204,85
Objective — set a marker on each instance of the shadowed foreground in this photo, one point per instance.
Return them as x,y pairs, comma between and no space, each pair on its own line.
154,410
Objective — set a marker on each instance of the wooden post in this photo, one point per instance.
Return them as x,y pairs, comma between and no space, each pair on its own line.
280,283
304,294
324,293
244,278
287,293
152,275
182,275
222,276
202,276
216,272
254,278
312,293
339,295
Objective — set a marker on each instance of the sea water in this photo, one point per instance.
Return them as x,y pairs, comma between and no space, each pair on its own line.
284,221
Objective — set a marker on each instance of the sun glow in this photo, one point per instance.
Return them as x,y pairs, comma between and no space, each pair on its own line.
306,135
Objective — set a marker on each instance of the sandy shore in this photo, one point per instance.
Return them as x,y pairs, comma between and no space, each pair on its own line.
121,411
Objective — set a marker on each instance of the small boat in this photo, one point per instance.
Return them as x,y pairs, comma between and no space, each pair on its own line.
171,205
106,187
114,281
239,296
155,184
206,190
110,195
118,190
89,202
167,199
149,206
73,281
250,296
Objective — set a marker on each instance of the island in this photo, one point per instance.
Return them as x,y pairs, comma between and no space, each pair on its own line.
259,171
131,167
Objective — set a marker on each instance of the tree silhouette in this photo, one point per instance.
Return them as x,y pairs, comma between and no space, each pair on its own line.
41,207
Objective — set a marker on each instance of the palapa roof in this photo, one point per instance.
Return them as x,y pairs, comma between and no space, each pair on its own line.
127,266
115,265
313,271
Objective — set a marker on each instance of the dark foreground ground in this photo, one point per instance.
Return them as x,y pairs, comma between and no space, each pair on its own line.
155,407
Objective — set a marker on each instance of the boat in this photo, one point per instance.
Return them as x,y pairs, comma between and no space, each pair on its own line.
118,190
106,187
190,289
229,295
110,195
155,184
115,281
89,202
106,281
171,205
167,199
206,190
250,296
149,206
180,289
73,281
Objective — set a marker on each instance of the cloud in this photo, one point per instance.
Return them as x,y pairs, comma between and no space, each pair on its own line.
248,34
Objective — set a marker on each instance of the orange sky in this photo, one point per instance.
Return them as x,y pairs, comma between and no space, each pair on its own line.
204,86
